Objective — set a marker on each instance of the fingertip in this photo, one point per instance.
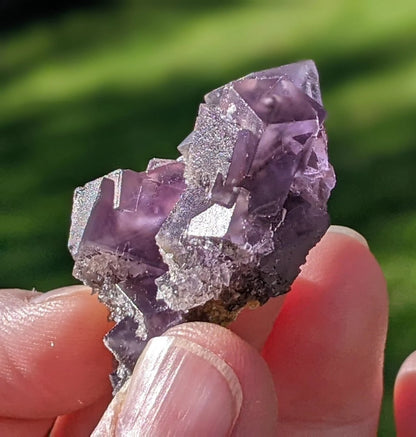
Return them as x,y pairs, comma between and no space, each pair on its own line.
62,292
341,250
326,348
405,398
254,325
349,232
259,404
204,374
54,360
408,366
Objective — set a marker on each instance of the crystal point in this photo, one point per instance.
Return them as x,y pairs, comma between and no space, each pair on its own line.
227,224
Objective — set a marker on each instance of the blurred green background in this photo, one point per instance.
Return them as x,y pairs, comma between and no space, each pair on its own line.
87,90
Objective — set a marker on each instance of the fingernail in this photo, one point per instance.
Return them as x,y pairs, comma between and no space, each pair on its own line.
180,388
409,364
60,292
349,232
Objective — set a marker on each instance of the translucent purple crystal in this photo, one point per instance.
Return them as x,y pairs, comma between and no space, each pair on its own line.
227,224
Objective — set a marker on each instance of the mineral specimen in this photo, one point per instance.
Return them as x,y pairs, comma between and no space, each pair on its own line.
227,224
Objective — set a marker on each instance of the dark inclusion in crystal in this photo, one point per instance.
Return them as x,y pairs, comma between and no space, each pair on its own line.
227,224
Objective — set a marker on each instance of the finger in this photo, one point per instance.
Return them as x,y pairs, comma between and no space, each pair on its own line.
25,428
405,398
326,348
52,358
255,324
82,422
197,379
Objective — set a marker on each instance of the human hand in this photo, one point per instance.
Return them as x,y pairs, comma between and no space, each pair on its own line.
324,355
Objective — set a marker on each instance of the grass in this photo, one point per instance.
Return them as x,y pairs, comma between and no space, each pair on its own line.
100,89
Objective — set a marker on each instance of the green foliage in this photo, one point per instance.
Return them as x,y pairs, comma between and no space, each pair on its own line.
112,87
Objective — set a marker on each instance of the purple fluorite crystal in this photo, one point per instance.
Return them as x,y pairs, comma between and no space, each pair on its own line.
227,224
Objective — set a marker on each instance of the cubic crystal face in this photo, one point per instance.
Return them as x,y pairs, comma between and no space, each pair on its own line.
227,224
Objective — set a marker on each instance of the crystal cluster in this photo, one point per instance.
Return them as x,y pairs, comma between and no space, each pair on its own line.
227,224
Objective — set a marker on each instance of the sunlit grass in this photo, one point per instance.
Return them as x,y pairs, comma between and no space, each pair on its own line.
201,43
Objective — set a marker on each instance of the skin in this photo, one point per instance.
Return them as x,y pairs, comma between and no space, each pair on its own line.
313,359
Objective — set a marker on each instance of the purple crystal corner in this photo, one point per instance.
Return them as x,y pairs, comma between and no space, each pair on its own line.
227,224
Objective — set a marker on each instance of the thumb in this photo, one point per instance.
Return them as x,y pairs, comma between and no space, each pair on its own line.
196,379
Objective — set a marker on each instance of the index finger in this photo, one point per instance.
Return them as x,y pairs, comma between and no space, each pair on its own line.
52,358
